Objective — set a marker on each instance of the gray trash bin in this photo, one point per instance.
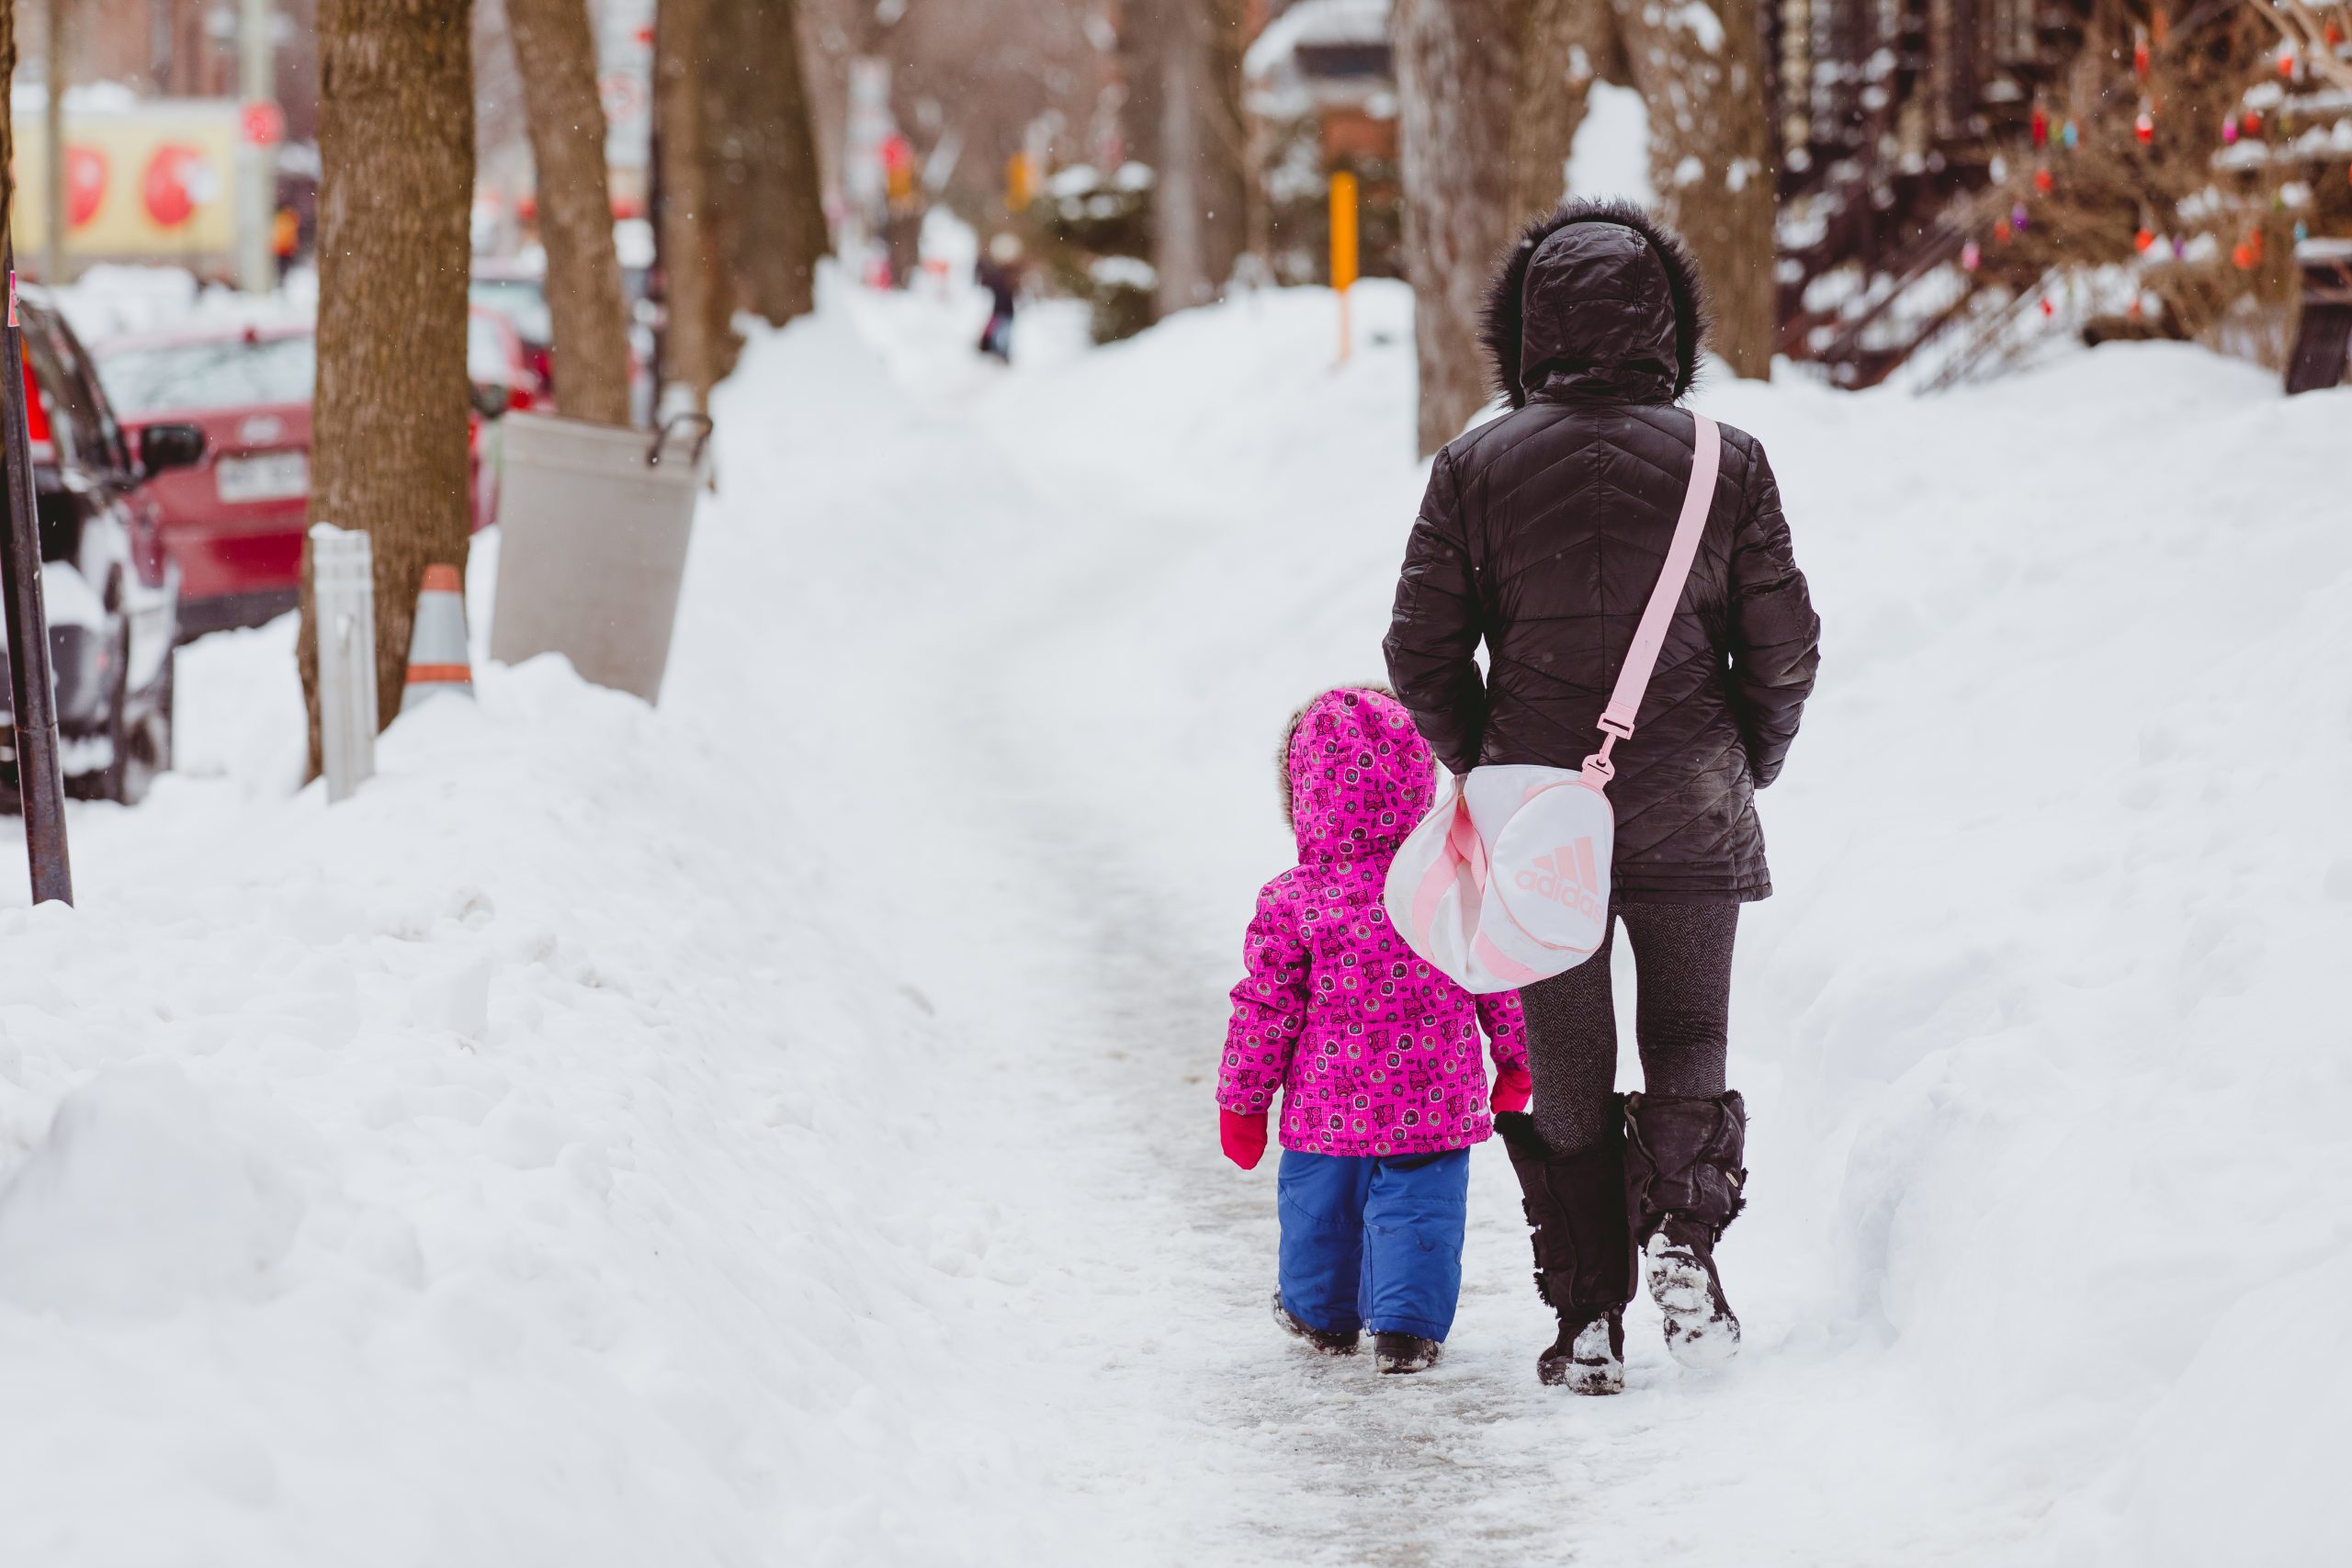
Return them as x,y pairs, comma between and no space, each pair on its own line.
593,522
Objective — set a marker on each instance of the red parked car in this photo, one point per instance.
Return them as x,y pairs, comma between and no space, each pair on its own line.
234,521
516,290
517,295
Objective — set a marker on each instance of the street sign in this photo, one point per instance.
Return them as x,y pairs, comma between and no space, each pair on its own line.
1343,231
625,95
1344,250
625,82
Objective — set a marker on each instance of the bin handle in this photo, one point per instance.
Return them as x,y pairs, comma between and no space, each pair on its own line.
661,437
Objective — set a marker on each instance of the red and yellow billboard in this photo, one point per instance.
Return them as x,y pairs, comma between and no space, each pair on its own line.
154,183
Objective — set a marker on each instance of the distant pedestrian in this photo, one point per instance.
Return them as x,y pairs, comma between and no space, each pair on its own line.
285,241
1376,1054
1543,535
999,272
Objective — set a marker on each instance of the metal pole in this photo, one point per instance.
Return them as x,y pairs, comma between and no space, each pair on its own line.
53,205
342,602
257,157
32,696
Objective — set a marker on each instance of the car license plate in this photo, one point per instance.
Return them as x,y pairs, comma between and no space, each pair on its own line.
272,476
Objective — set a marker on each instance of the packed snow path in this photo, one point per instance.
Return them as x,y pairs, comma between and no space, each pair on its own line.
777,1128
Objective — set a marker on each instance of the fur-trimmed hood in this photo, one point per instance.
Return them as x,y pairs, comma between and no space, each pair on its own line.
1600,299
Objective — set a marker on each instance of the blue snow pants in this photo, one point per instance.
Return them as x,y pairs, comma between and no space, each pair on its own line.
1373,1241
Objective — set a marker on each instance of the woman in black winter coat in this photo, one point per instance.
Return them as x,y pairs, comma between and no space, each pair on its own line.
1542,535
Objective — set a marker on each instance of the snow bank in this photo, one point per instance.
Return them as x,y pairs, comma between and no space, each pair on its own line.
774,1127
136,1201
515,1164
1610,155
109,298
2041,1032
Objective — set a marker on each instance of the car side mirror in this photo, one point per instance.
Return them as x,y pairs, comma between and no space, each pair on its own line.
164,446
490,399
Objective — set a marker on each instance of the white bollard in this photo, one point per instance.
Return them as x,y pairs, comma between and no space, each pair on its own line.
343,590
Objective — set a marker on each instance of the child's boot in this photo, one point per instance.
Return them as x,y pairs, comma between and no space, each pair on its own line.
1683,1178
1405,1352
1584,1251
1324,1341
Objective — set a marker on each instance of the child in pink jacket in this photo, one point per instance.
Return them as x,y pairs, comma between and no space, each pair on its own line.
1375,1053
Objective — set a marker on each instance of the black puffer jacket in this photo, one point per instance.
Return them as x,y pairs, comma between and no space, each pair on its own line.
1543,532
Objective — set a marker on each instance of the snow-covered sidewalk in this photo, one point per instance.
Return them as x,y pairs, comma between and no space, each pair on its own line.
775,1128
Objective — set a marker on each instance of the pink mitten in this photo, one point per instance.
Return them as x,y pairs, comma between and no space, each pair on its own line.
1513,1088
1244,1137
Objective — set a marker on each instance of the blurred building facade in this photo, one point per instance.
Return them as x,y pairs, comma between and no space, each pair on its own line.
1319,83
178,49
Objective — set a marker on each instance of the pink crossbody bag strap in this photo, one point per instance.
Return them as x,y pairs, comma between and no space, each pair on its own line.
1640,660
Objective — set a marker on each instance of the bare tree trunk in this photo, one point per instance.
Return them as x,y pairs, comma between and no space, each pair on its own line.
1456,76
556,60
1547,105
1225,185
727,288
1140,50
775,189
396,142
1564,47
725,24
1187,56
1712,157
803,237
695,281
1177,246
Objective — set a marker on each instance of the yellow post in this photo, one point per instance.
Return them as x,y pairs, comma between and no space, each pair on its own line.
1343,248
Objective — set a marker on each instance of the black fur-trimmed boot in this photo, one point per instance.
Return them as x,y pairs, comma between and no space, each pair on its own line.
1683,1179
1583,1254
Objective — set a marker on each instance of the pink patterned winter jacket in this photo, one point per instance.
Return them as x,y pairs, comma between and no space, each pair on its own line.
1374,1050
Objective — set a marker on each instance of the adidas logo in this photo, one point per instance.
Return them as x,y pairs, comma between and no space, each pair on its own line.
1567,877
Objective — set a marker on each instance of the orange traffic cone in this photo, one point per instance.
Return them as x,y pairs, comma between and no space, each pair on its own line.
436,649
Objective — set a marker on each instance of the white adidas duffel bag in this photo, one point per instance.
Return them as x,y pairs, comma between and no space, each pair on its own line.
1506,881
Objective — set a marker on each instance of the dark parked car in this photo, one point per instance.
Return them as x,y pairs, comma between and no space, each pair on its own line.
110,590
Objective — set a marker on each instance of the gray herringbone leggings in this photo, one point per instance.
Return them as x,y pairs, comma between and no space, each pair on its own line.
1681,1019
